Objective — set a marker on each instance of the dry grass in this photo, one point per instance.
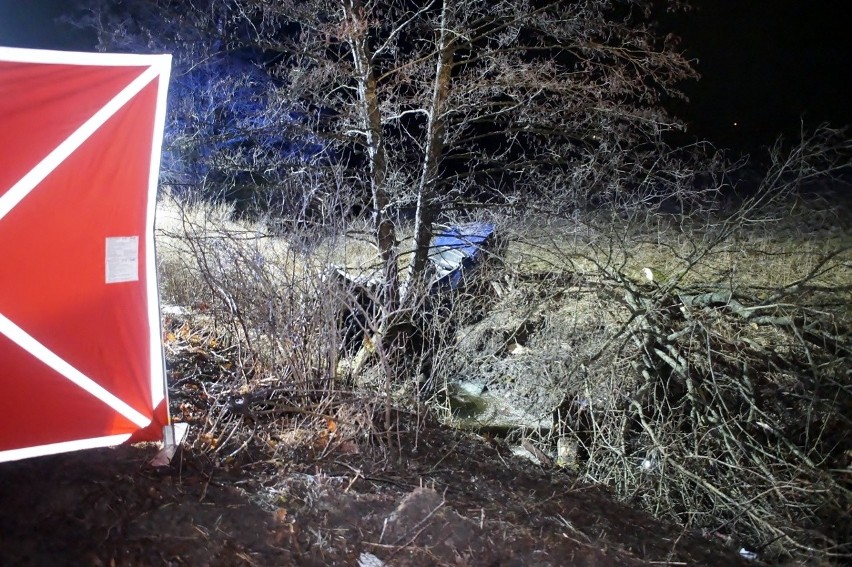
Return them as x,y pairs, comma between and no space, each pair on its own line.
704,404
767,255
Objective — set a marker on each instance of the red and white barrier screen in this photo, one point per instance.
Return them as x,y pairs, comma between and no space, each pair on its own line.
80,342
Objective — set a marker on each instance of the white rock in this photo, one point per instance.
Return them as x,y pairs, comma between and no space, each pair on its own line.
369,560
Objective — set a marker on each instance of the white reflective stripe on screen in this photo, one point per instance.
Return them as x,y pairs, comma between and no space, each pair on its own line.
36,175
45,355
85,58
158,381
64,447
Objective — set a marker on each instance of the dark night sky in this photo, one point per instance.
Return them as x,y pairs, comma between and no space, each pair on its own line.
31,23
764,64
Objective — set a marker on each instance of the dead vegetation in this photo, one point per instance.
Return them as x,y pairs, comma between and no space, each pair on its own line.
723,407
696,363
706,374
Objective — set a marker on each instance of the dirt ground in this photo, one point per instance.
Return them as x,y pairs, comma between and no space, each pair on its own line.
457,500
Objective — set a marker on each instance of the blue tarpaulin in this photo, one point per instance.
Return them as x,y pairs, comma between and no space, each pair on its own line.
457,250
455,253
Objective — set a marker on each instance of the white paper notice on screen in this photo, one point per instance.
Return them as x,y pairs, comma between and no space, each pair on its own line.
122,259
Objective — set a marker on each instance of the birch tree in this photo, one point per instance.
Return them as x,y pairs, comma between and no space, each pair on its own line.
433,102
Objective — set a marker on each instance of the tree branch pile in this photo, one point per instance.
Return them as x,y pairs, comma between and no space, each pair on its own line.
731,399
740,422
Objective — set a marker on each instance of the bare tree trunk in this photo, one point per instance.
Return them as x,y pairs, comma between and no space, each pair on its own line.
428,204
372,124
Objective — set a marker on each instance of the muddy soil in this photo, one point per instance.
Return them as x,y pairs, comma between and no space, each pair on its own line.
456,500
